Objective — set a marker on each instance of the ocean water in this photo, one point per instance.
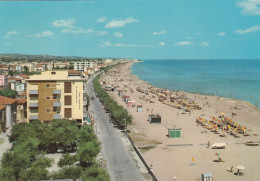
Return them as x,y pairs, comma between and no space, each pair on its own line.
239,79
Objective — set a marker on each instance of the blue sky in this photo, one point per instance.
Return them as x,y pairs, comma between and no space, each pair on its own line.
142,29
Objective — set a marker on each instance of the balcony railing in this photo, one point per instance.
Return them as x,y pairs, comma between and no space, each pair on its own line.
56,91
56,104
56,116
34,117
34,105
33,92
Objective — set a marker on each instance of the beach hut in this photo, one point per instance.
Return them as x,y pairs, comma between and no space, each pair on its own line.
174,132
206,177
154,118
139,108
126,98
131,104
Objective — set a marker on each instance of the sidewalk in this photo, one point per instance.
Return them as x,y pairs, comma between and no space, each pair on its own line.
5,145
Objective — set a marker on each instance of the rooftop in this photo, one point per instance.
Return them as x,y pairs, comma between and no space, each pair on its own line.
6,100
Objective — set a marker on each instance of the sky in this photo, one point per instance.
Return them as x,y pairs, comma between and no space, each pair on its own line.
141,29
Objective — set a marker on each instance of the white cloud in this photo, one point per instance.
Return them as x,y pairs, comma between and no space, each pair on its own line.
250,7
43,34
189,37
221,34
10,33
108,44
161,44
184,43
69,23
204,44
120,23
248,30
119,35
83,31
160,33
8,44
101,20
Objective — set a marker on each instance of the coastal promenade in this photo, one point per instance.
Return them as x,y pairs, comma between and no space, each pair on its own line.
120,165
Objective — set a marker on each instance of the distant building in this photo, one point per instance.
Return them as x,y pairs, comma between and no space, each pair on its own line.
11,107
83,65
55,95
3,81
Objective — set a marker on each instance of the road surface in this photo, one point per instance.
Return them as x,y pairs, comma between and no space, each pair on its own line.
120,164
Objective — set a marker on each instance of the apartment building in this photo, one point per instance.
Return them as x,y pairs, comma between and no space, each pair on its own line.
55,95
2,118
83,65
4,81
11,108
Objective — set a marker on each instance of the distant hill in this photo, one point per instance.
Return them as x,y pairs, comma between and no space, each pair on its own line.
40,57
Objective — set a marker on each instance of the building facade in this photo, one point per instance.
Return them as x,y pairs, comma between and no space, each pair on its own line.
3,81
2,118
11,107
55,95
83,65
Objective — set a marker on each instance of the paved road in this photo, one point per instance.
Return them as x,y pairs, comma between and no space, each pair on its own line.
120,165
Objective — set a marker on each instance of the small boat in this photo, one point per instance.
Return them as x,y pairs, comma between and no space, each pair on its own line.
219,146
252,143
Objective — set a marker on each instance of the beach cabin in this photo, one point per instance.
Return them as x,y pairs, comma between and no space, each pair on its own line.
154,118
131,104
126,98
139,108
206,177
174,132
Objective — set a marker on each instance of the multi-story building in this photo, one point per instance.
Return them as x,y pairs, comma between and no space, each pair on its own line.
83,65
3,81
55,95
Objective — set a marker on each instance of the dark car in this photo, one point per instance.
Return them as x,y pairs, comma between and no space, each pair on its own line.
92,98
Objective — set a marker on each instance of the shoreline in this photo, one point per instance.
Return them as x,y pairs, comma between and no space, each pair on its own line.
159,150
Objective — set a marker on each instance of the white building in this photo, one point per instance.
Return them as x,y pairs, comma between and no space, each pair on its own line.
83,65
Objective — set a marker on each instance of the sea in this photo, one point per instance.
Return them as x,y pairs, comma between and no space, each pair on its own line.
232,78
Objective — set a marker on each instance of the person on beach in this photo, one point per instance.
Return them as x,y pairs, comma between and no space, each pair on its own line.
174,178
208,144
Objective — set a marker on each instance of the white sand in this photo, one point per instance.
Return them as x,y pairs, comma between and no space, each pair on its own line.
170,161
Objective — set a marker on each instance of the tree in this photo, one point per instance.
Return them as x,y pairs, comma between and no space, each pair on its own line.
87,154
67,160
11,73
26,69
8,93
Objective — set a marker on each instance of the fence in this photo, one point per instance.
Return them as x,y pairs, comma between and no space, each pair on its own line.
141,157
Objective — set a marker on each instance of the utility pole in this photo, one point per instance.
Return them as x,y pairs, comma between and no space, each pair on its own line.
125,127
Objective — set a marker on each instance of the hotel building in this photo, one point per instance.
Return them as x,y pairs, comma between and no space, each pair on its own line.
83,65
55,95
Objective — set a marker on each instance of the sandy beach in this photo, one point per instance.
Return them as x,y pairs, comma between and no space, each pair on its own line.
188,157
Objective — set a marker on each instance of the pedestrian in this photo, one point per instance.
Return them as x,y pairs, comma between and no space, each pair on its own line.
105,163
151,167
152,110
208,144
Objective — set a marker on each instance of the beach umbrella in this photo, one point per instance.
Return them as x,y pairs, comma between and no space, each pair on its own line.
240,167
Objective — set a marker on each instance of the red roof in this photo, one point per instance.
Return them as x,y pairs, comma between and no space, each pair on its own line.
89,68
24,76
2,107
21,101
74,72
6,100
14,78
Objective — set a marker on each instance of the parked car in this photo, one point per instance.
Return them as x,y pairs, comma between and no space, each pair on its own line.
92,98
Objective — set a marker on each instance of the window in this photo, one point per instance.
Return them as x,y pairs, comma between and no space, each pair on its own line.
53,73
55,96
47,110
55,109
47,97
67,112
67,100
67,87
47,85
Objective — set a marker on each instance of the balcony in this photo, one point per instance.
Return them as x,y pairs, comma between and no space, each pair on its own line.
33,92
33,117
56,116
56,104
57,92
34,105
